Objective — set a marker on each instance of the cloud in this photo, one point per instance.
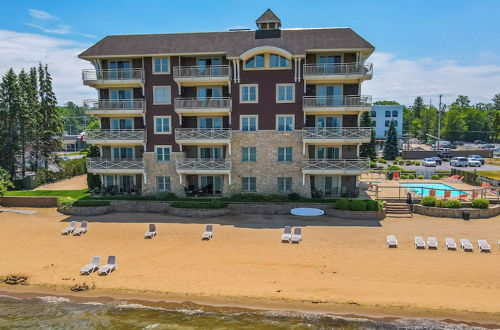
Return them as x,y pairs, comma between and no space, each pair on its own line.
24,50
60,29
403,79
40,14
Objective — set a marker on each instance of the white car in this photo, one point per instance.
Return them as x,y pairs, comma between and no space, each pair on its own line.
459,161
473,162
429,162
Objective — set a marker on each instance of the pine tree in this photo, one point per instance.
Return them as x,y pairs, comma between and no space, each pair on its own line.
36,116
368,150
496,101
418,106
24,117
391,148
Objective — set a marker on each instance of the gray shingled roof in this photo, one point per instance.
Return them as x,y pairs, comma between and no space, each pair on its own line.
232,43
267,17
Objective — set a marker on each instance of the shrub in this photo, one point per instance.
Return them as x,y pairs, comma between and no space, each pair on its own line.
428,201
411,176
394,168
439,203
434,177
420,177
342,204
358,205
444,176
404,176
90,203
372,206
197,205
216,204
373,164
382,161
409,162
452,204
416,162
294,196
65,202
480,203
166,196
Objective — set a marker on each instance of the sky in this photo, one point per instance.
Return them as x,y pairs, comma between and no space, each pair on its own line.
423,47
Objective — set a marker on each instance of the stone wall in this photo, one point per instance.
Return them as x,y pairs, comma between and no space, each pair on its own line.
154,169
456,213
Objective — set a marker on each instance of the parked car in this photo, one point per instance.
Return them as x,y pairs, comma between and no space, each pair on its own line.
459,143
479,142
473,162
481,159
438,160
443,149
487,146
459,161
445,156
429,162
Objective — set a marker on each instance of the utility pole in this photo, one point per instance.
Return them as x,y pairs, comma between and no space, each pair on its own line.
439,117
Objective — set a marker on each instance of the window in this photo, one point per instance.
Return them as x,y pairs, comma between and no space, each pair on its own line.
248,184
161,95
285,93
258,61
162,183
248,123
388,113
284,185
162,125
374,113
387,123
285,123
277,61
161,65
285,154
249,94
394,113
108,181
162,153
248,154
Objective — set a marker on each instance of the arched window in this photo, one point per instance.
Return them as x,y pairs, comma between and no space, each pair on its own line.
257,61
278,61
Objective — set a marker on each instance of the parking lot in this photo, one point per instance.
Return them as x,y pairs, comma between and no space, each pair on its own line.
447,167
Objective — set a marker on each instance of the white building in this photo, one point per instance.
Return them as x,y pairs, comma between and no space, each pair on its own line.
382,115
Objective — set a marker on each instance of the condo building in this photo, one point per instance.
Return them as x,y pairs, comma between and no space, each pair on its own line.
270,110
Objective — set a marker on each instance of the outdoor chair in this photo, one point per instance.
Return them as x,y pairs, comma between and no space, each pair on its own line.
208,233
287,235
92,267
483,245
151,232
109,267
68,230
297,235
392,241
450,244
419,242
82,230
432,243
466,245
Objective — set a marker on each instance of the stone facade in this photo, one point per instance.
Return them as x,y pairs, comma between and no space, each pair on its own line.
154,169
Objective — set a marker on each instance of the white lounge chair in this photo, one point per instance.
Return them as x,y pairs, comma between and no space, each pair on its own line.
208,233
82,230
151,232
450,244
466,245
68,230
297,235
392,241
287,235
483,245
432,243
109,267
92,267
419,242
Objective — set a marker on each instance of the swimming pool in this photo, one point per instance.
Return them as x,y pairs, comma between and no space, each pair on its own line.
417,189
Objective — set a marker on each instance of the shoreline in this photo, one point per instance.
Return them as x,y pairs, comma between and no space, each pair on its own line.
176,301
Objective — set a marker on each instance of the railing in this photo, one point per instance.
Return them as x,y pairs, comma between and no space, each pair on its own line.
112,74
336,101
202,133
115,164
338,69
202,164
336,133
118,134
202,71
132,104
336,164
200,103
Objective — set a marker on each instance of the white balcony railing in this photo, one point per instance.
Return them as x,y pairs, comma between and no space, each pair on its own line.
132,104
336,101
91,75
202,103
202,133
344,69
112,134
336,164
336,132
94,164
203,164
209,71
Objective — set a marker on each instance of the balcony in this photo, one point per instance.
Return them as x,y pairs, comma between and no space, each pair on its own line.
113,77
201,136
338,71
115,166
203,166
199,74
122,137
113,108
335,166
335,135
336,104
202,106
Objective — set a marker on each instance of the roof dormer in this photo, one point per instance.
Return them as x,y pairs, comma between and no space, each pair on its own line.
268,21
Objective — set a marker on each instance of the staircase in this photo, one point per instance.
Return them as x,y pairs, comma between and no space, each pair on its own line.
398,208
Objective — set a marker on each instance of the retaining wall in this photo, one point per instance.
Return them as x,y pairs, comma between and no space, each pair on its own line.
456,213
28,201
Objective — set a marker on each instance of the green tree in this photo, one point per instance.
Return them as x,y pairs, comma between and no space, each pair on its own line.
462,102
407,119
385,102
26,118
93,180
496,125
391,148
496,101
418,106
5,182
454,125
10,108
33,104
368,150
477,124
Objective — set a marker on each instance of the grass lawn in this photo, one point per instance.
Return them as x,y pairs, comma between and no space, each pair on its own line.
490,174
492,161
76,194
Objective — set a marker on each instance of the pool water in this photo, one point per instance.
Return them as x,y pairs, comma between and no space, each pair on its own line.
439,187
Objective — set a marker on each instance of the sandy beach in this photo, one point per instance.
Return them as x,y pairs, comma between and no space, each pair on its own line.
340,266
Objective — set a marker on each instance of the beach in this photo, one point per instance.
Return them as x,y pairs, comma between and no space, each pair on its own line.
341,266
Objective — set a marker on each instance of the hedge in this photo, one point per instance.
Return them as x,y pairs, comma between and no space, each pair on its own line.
480,203
428,201
215,204
358,205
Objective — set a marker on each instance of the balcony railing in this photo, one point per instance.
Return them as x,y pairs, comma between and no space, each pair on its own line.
202,133
91,75
336,133
132,104
338,69
112,134
336,101
202,103
94,164
336,164
209,71
203,164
